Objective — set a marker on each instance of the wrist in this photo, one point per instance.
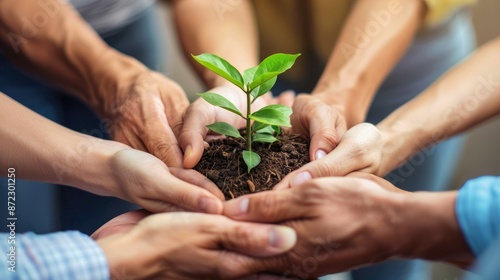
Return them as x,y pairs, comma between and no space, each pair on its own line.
430,228
112,81
397,146
346,92
121,252
96,170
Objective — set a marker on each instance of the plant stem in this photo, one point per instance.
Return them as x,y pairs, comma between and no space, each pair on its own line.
249,128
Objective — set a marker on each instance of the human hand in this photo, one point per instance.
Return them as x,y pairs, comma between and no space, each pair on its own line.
143,179
341,223
146,113
188,245
323,122
194,134
359,149
345,222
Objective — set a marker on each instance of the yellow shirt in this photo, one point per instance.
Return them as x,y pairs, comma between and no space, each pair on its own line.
312,27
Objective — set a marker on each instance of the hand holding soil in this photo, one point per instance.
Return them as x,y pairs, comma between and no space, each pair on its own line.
163,246
336,230
146,114
360,149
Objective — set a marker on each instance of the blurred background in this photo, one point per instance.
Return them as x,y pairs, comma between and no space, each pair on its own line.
481,154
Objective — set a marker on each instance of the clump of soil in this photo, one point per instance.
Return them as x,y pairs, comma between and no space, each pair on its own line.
223,163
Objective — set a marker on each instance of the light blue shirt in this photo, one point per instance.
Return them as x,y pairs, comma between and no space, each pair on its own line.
62,255
478,212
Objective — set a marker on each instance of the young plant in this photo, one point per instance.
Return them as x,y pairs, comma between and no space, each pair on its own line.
254,82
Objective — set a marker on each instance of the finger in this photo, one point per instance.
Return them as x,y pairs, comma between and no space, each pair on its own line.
268,207
356,151
257,240
376,179
161,142
120,223
196,178
194,131
152,186
320,122
175,191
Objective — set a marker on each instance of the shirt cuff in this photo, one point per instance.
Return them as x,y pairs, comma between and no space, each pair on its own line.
439,9
63,255
478,212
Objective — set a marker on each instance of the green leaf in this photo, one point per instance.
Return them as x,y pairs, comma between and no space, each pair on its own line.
249,74
277,115
225,129
260,90
271,67
276,129
268,130
258,126
220,67
263,88
220,101
251,159
264,138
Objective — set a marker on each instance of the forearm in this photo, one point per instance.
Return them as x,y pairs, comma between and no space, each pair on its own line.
428,228
51,41
374,38
44,151
227,30
464,97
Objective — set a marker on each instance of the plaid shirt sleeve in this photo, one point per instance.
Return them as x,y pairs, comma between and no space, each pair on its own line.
62,255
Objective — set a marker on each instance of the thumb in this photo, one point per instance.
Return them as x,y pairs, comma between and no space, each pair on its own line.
162,143
357,150
256,239
193,133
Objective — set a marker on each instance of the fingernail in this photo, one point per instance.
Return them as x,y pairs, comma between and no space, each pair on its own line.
244,205
210,205
187,153
319,154
300,178
206,145
282,238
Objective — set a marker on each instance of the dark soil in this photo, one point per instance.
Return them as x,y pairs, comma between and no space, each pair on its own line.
223,163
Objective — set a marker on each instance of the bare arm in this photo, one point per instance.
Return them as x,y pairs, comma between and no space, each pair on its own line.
49,39
465,96
366,52
44,151
374,38
224,28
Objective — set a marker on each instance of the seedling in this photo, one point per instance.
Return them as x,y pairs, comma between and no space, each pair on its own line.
254,82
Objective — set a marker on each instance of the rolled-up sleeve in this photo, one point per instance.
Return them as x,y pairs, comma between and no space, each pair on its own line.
478,212
439,9
63,255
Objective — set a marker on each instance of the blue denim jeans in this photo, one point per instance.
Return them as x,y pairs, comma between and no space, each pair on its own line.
45,207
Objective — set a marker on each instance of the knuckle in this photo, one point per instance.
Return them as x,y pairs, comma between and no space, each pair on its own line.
329,138
312,191
266,207
242,237
325,168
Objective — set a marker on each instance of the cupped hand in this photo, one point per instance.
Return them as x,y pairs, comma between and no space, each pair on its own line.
341,223
143,179
359,149
186,245
321,121
147,115
194,134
